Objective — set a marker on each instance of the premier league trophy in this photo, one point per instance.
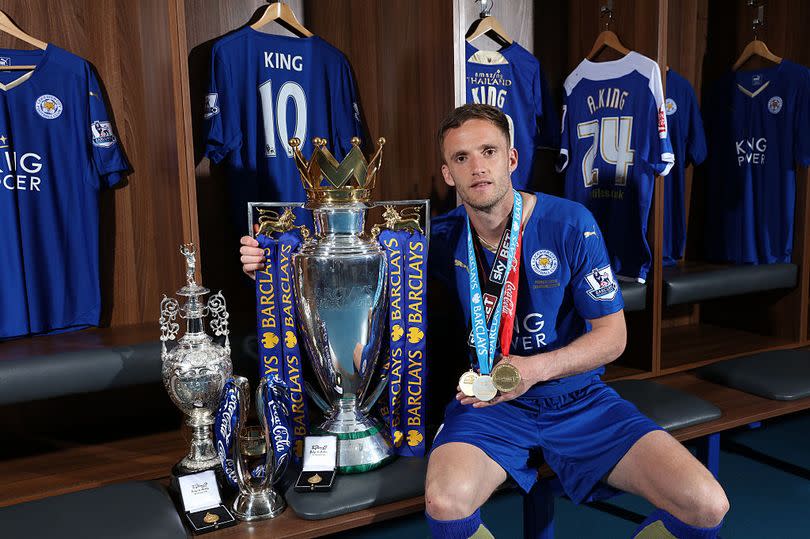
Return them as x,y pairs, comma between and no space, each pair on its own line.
195,370
340,288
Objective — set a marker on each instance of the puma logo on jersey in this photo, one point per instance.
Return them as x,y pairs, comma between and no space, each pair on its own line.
589,233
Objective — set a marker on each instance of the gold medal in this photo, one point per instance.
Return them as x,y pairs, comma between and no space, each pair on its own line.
484,389
465,383
315,479
210,518
505,377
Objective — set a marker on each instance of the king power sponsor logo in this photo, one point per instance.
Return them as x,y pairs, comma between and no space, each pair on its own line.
20,171
751,151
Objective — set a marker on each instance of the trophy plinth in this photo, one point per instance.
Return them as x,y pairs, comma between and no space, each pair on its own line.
195,370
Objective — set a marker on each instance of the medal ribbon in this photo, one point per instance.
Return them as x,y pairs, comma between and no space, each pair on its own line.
225,425
392,242
293,375
267,310
414,405
487,337
510,294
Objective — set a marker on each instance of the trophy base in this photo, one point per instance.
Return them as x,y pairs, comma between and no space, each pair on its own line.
258,506
189,465
361,445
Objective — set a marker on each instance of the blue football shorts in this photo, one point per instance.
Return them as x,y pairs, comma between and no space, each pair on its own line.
582,435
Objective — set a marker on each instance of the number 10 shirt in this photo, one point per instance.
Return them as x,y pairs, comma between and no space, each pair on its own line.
266,89
614,142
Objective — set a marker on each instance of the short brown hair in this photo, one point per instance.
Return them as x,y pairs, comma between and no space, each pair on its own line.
473,111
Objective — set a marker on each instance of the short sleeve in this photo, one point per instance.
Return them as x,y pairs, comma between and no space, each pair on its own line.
662,158
221,112
594,287
108,157
345,107
696,140
802,119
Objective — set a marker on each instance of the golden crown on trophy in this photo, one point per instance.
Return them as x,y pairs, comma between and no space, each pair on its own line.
352,180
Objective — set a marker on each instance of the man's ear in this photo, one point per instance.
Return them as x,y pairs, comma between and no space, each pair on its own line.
513,159
448,178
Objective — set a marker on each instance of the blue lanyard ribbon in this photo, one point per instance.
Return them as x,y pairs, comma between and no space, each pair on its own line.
486,338
225,426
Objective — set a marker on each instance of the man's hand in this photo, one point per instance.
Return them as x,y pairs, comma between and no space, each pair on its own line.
252,256
526,381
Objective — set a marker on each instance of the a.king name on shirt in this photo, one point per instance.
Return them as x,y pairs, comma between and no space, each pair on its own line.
751,150
10,167
613,98
281,60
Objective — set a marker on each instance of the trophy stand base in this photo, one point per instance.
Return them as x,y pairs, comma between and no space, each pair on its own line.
258,506
190,466
358,450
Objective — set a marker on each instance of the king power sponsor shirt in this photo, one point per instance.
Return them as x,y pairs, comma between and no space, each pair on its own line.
57,151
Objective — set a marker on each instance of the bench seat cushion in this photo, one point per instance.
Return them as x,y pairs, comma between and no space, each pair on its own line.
401,479
137,509
694,286
670,408
634,295
778,375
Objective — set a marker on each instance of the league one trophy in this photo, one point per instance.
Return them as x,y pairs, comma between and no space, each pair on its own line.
195,370
340,281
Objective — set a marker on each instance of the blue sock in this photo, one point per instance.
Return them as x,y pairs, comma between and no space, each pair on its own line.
462,528
662,525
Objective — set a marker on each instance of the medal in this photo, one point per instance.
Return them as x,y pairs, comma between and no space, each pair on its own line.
484,389
210,518
465,383
505,377
315,479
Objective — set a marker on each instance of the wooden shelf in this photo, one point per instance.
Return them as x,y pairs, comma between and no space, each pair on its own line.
85,339
619,372
688,347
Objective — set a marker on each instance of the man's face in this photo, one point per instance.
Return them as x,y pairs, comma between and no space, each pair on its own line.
478,163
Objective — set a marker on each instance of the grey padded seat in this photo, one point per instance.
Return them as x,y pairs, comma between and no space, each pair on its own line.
134,510
778,375
634,295
670,408
401,479
693,286
85,371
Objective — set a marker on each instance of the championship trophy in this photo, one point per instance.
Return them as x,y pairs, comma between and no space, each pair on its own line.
340,288
195,370
260,452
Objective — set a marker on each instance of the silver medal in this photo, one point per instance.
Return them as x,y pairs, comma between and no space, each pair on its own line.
484,388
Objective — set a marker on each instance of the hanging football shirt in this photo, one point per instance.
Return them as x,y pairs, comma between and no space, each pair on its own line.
614,142
57,151
512,80
756,122
266,89
565,280
689,145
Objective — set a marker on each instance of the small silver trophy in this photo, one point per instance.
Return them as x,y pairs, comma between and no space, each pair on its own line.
195,370
256,468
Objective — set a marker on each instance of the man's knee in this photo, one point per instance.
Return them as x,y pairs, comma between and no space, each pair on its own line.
450,502
710,507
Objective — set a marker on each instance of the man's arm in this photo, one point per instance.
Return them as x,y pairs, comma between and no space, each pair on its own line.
603,344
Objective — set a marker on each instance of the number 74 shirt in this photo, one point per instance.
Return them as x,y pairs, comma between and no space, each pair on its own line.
614,141
266,89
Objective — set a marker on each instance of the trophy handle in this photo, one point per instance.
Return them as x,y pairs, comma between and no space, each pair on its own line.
374,395
317,398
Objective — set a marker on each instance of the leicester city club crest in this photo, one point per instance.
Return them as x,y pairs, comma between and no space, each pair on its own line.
544,262
775,104
48,106
671,106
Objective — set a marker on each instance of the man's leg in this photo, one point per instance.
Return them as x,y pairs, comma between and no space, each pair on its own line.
460,478
664,472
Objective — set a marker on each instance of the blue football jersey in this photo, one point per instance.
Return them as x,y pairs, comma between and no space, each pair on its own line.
689,144
512,80
266,89
614,142
565,279
57,151
756,124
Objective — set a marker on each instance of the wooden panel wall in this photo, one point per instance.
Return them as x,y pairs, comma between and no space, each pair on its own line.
143,221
